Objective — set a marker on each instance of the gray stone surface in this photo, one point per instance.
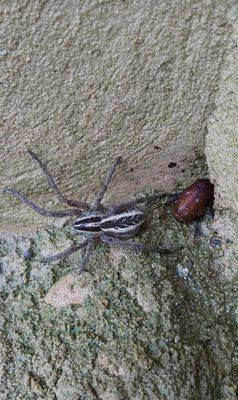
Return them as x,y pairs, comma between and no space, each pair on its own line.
132,327
82,82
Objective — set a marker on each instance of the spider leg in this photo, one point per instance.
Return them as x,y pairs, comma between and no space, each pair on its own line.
40,210
53,185
140,247
105,185
171,198
85,258
66,253
145,199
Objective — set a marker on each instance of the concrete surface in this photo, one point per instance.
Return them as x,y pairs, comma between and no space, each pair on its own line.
85,81
82,82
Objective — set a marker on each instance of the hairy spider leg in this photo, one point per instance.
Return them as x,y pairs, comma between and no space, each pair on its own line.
170,198
140,247
40,210
66,253
144,199
53,185
85,258
105,185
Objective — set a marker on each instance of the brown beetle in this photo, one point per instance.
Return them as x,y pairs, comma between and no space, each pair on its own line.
191,203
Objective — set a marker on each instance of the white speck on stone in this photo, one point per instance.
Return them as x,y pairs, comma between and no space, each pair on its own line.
182,271
205,229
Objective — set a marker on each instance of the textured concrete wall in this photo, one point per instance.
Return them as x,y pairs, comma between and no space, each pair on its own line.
222,138
81,83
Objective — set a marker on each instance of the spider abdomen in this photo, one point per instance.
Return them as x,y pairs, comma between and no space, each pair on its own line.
123,224
89,224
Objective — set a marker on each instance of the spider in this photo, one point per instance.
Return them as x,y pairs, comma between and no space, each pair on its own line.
97,222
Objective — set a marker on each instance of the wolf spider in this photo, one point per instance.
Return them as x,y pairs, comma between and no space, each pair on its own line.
98,223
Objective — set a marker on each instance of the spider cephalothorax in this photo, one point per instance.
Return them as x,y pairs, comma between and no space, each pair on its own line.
112,224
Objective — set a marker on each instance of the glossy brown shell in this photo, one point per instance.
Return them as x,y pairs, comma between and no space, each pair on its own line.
192,201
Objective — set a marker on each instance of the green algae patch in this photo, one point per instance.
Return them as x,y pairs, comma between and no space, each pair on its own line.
139,326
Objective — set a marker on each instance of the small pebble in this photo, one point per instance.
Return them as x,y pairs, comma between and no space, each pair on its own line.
27,253
182,271
215,241
3,52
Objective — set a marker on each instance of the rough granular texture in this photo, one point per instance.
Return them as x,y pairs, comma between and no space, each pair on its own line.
131,327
